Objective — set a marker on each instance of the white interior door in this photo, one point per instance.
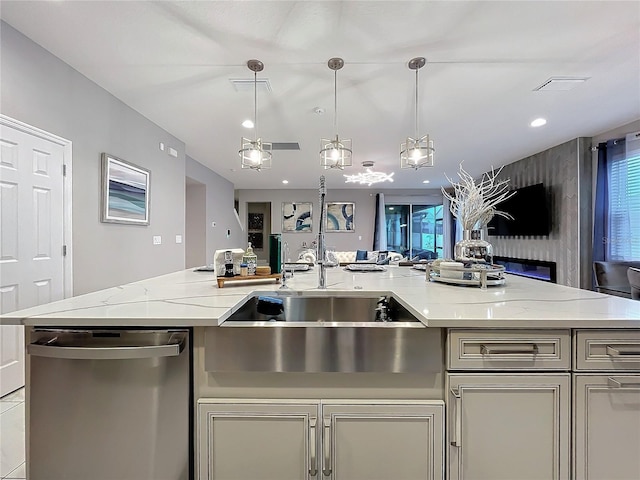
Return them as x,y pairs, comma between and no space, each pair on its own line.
32,230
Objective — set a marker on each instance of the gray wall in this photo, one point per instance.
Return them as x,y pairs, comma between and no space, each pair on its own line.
365,202
566,171
219,209
39,89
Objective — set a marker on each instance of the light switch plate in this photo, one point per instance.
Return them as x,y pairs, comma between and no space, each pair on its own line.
157,240
178,238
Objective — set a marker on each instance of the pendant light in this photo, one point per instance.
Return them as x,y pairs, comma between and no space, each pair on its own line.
255,154
335,153
417,152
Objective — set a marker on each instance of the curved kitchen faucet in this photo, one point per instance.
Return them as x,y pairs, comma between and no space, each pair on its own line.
322,273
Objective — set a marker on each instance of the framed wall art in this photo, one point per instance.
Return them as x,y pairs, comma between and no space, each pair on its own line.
296,217
125,192
340,216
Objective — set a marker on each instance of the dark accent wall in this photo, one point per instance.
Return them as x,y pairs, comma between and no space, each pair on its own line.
565,170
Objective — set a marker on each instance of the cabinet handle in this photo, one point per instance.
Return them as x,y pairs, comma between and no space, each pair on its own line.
313,468
613,383
526,348
626,352
326,436
456,433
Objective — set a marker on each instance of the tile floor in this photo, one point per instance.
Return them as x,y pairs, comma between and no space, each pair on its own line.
12,436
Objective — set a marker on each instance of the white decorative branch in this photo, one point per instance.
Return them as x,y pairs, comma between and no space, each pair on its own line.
474,204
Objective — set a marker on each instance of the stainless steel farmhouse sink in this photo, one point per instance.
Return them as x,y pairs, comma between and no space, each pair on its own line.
302,332
281,310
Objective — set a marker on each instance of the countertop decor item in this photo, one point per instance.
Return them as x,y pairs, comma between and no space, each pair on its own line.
251,260
474,204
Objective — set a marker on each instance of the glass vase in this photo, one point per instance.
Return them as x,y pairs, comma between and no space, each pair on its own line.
473,248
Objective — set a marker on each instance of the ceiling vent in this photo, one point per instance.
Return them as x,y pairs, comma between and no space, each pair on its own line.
285,146
558,84
246,84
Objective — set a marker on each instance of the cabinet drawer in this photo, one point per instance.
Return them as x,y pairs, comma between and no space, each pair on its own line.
508,349
607,350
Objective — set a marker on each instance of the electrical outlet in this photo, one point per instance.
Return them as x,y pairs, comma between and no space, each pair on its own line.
157,240
178,238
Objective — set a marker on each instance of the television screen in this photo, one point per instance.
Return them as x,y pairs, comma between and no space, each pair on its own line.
529,208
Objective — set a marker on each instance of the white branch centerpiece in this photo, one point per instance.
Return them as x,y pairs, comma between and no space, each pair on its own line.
474,205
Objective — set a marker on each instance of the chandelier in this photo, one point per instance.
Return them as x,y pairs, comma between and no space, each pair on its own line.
417,151
255,154
369,177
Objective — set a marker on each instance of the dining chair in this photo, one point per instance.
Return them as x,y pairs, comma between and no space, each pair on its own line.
633,274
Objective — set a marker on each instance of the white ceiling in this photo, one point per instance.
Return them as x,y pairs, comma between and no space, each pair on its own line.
172,61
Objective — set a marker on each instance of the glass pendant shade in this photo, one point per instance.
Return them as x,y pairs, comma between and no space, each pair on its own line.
417,152
335,153
255,154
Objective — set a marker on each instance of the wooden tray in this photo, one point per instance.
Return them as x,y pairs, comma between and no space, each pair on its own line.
250,278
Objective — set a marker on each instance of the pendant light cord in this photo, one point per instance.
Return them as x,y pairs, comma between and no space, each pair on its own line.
255,106
417,103
335,102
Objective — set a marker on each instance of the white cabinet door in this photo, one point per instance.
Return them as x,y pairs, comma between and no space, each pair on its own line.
607,427
382,440
508,426
266,440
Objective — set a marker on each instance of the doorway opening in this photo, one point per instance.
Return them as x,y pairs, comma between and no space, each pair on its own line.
258,229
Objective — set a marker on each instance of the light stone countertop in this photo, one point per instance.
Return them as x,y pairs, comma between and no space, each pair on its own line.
189,298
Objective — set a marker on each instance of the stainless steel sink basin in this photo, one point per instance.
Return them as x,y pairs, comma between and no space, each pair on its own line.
330,333
379,310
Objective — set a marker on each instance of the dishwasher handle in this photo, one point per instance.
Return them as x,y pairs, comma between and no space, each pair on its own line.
114,352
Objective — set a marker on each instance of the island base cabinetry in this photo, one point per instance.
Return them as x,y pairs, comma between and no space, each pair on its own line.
606,402
323,439
508,404
508,426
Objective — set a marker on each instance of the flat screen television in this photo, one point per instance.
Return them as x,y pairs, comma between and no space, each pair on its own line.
529,208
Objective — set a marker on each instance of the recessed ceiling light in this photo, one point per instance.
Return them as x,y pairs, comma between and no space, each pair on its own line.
285,181
425,181
538,122
247,124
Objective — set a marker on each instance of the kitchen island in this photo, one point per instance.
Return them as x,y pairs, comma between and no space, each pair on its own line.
528,380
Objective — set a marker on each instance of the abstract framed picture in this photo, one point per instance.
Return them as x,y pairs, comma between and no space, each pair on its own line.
296,217
125,192
340,217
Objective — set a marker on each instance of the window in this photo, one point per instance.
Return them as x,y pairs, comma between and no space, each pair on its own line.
415,230
623,225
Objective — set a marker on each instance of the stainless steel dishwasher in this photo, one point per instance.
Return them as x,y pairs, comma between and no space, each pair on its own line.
109,404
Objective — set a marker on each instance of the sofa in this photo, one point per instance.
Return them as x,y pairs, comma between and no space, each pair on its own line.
336,257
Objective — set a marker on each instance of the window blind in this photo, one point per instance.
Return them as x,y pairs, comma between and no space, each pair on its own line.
623,242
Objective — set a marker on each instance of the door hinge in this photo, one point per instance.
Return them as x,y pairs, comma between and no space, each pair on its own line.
64,250
64,170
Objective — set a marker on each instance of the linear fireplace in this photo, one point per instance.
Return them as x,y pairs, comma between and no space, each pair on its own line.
538,269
